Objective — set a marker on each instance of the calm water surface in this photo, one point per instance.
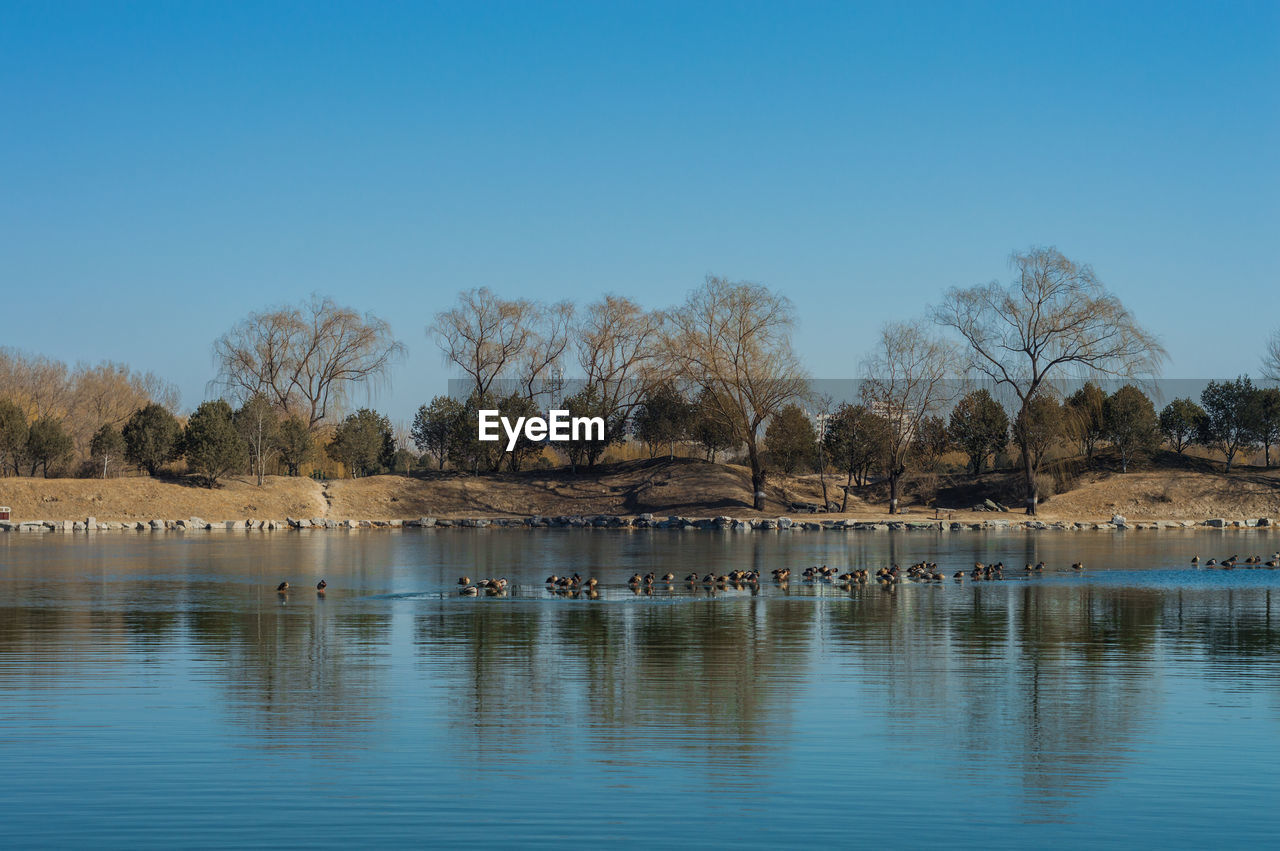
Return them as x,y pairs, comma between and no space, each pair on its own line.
155,691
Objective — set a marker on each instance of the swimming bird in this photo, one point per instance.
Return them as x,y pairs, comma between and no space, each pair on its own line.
1195,559
283,586
464,580
469,591
321,585
1078,566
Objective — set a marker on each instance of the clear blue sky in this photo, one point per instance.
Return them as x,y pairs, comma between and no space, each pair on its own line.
167,168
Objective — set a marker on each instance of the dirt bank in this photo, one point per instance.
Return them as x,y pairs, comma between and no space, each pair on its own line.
683,486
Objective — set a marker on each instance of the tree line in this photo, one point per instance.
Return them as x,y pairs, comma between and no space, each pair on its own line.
717,372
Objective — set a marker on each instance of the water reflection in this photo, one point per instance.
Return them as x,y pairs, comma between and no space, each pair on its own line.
1050,689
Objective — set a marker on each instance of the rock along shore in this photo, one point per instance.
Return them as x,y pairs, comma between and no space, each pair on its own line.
615,521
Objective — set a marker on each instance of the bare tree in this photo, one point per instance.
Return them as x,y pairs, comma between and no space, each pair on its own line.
823,407
258,423
307,359
540,366
1271,358
618,350
734,340
906,382
35,383
107,394
486,336
1054,318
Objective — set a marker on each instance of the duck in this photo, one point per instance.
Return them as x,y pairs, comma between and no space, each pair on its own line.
1195,559
1079,565
282,587
552,579
464,580
321,585
469,591
591,583
668,576
634,580
958,576
691,579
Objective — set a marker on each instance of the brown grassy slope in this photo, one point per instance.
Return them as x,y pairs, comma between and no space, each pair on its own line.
662,487
1191,491
147,499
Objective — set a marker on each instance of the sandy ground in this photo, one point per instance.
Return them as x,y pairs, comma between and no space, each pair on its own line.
684,486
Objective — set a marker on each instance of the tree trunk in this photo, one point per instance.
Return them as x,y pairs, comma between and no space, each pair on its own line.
844,504
893,491
1029,472
757,477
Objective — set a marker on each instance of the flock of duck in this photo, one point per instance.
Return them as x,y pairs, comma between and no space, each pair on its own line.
740,580
1235,561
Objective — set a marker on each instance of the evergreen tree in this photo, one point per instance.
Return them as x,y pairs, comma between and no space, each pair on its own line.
212,444
1228,425
363,443
152,438
295,444
663,418
47,443
979,426
855,440
708,427
1130,423
1181,422
1265,419
791,440
436,425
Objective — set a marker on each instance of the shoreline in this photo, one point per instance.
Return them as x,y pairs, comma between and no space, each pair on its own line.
721,523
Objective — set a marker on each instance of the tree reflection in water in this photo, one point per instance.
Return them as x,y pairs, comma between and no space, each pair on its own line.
1051,681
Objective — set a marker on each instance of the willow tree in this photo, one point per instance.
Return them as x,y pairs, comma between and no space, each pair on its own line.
733,339
905,381
484,335
305,359
619,353
1054,319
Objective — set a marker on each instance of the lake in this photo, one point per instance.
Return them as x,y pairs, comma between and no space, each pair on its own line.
155,691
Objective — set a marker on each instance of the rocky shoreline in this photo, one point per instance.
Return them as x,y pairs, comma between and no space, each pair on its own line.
615,521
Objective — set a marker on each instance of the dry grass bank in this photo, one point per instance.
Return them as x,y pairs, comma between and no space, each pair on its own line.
661,487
